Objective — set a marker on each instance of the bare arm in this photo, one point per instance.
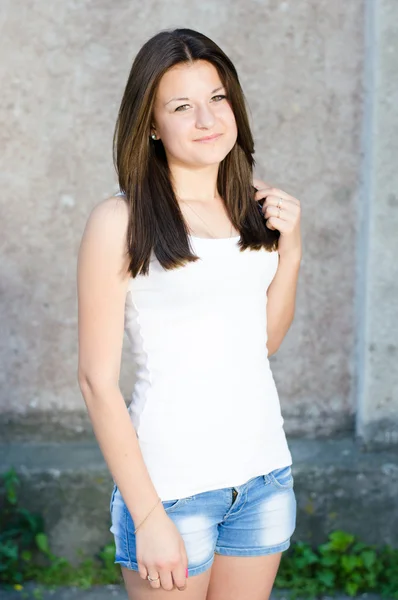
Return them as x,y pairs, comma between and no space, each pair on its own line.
102,279
282,212
281,302
102,286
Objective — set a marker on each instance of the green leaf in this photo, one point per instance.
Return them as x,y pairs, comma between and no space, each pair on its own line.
369,558
327,577
329,560
9,551
26,555
351,588
42,543
11,482
359,546
340,540
350,563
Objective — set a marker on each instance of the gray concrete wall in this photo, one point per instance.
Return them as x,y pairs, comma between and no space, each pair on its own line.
301,66
377,394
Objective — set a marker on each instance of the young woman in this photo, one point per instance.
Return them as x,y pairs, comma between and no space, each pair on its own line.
199,267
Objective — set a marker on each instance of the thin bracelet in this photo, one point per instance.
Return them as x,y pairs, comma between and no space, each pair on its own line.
151,511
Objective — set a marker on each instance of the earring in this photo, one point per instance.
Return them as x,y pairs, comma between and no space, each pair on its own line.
153,136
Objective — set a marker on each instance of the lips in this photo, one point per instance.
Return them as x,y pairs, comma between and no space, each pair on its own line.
208,138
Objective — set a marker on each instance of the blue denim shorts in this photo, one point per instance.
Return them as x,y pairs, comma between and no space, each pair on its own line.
253,519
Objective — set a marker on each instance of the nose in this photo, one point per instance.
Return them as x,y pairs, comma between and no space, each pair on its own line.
204,117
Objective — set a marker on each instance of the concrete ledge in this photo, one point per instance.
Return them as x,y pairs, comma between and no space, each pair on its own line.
45,426
338,486
75,425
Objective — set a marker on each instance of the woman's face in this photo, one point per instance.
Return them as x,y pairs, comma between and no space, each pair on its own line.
191,106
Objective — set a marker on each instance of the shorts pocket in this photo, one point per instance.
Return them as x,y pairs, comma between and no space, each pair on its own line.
282,478
172,505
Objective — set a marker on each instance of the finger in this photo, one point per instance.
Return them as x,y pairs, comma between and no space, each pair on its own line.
274,223
166,580
259,184
142,571
261,193
281,203
284,195
270,193
180,577
156,583
274,211
280,194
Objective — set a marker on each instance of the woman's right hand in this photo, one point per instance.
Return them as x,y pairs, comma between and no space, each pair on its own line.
161,552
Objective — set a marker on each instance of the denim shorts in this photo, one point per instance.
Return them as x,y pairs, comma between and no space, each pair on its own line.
256,518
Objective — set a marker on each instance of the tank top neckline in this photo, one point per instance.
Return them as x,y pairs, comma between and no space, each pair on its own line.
224,239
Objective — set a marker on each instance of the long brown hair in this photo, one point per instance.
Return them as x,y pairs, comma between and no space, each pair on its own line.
156,222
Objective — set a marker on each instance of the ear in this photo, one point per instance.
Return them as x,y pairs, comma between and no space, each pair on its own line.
153,134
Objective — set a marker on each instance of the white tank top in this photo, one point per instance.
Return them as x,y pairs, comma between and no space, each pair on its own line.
204,404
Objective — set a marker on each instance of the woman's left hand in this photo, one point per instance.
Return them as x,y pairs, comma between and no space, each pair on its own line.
282,212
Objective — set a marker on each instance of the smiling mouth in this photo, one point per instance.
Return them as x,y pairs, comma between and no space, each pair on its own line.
208,138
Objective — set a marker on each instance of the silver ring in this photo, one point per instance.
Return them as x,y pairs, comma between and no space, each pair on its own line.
279,213
279,203
150,578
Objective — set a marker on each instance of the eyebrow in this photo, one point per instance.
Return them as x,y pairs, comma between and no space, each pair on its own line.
180,99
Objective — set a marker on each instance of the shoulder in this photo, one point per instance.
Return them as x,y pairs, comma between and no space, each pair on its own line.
111,213
108,220
105,233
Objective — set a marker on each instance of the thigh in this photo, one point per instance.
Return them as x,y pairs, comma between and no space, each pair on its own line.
243,578
139,589
252,537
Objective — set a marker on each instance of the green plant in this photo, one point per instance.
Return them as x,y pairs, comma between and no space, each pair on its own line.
20,534
25,554
341,564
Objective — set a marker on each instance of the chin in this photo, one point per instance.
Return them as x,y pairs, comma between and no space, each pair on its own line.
209,162
211,156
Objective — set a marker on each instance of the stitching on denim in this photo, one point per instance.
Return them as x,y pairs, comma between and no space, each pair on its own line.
282,486
254,548
256,551
112,498
180,502
126,534
232,507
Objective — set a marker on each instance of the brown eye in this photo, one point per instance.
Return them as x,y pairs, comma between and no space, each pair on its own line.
181,107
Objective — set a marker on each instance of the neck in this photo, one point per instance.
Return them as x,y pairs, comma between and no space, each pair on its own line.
195,184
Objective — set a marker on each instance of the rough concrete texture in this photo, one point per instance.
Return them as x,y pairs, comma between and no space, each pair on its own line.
378,353
118,593
65,70
337,487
